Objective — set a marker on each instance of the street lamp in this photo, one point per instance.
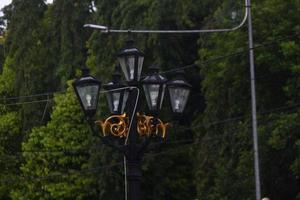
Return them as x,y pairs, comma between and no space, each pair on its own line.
179,91
87,89
131,61
120,98
116,94
154,87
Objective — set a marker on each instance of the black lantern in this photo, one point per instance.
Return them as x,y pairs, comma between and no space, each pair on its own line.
116,96
87,90
154,87
131,61
179,91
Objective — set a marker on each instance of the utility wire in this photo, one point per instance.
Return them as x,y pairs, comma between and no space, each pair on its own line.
61,175
214,59
96,169
33,95
187,143
87,150
45,110
212,123
27,102
221,57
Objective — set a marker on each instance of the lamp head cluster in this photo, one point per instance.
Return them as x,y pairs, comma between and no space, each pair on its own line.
154,85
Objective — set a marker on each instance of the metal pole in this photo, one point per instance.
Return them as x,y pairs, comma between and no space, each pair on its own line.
253,105
132,154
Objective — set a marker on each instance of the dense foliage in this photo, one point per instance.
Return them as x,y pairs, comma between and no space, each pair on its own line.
47,150
227,159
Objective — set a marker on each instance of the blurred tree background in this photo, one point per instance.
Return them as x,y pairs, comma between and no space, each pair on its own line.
47,150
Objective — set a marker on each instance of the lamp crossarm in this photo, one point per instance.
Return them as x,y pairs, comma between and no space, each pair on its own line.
106,29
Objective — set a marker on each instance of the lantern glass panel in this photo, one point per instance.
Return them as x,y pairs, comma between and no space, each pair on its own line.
114,100
162,95
125,98
88,96
127,64
140,67
153,96
152,92
179,97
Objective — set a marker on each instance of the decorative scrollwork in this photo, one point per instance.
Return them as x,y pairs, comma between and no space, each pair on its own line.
115,125
145,125
161,128
148,125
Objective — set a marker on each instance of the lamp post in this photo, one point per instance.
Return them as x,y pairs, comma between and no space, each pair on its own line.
247,16
131,133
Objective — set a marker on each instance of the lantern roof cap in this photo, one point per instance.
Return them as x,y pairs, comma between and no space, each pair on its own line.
154,77
86,78
130,49
179,80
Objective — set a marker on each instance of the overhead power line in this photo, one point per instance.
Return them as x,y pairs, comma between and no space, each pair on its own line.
208,124
221,57
27,102
214,59
83,151
32,95
62,175
59,175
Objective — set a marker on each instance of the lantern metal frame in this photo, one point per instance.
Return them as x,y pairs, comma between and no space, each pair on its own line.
113,87
87,79
178,82
154,78
131,51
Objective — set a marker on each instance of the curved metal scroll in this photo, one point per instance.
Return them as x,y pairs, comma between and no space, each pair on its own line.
148,125
162,128
145,125
115,125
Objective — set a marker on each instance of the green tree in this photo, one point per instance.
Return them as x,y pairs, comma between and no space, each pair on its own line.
66,19
227,158
56,155
10,135
24,46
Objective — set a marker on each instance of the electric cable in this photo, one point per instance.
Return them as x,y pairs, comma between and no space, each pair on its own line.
45,110
221,57
32,95
96,169
28,102
204,63
61,175
212,123
194,141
